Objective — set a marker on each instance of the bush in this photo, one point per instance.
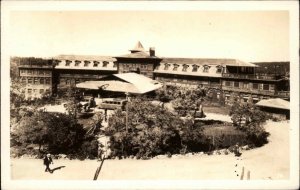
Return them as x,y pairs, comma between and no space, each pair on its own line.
151,131
51,132
249,119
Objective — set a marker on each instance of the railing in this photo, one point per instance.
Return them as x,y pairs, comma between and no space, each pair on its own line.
50,66
81,76
250,76
283,94
246,90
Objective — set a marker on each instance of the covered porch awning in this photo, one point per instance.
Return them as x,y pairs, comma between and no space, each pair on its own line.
117,86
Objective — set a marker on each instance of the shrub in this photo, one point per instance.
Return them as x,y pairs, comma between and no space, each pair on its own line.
151,131
249,119
52,132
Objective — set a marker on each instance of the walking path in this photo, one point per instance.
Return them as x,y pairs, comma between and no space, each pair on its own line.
267,162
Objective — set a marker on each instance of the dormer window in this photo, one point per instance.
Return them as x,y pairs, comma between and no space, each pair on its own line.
68,62
77,63
167,65
86,63
96,63
184,69
205,68
195,68
219,69
105,63
175,67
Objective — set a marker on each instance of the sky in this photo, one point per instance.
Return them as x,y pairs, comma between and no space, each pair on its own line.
253,36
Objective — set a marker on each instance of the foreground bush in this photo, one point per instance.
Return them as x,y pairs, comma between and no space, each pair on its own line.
51,132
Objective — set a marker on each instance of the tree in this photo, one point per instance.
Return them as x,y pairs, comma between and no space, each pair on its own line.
151,131
58,133
246,117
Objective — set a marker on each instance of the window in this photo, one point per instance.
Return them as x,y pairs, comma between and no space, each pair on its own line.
115,64
47,81
41,91
47,73
175,67
266,87
105,63
184,67
36,81
29,81
68,62
29,91
205,68
34,91
227,83
77,63
29,72
195,68
96,63
42,81
86,63
167,65
255,85
22,71
219,69
47,90
236,84
24,80
41,72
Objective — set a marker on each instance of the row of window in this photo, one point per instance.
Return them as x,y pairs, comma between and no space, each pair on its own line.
255,86
194,68
35,72
87,63
135,66
36,80
35,91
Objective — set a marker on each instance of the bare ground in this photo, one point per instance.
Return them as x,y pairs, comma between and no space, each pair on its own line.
268,162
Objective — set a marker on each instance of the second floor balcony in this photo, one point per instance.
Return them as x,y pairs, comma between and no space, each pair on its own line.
258,76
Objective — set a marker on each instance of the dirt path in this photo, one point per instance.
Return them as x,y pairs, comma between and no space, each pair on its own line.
268,162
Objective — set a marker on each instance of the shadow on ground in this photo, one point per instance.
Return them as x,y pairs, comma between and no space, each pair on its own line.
57,168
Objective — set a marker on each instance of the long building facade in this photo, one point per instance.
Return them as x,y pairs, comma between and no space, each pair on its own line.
226,75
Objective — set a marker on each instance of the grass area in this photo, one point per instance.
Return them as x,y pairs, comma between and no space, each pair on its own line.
224,110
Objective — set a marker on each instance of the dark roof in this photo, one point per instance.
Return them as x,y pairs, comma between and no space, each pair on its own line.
141,55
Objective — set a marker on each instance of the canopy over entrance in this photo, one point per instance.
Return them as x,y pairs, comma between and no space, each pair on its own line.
126,82
274,103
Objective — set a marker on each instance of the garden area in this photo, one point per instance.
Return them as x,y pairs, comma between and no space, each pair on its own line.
144,131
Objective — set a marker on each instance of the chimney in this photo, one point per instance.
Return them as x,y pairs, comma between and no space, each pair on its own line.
152,51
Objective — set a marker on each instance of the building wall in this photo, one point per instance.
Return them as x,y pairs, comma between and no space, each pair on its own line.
141,66
37,81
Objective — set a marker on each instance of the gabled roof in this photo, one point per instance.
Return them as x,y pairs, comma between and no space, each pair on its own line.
274,103
127,82
208,61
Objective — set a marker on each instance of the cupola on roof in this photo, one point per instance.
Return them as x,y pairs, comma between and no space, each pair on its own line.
138,48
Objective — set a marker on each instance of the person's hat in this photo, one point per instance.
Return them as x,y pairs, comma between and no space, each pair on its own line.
48,154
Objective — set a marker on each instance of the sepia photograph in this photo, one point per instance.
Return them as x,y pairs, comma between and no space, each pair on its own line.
150,95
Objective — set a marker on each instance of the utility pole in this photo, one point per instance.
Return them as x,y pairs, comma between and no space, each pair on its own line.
127,111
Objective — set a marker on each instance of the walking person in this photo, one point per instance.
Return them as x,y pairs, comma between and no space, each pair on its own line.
47,162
